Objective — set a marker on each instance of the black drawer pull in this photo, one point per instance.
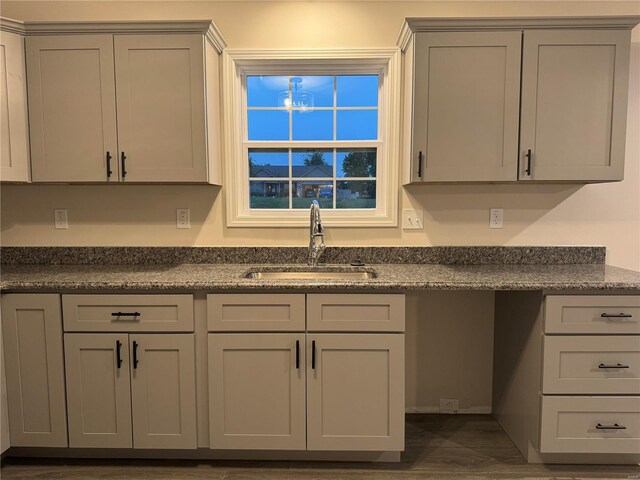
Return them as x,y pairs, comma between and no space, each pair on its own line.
616,315
528,169
118,354
109,171
298,354
125,314
420,164
123,158
135,354
617,365
313,354
615,426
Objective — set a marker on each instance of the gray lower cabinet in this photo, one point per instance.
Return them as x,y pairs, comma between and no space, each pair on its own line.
355,392
304,390
257,391
32,336
129,390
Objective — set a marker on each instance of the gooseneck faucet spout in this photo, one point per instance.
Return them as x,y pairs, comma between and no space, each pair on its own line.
315,232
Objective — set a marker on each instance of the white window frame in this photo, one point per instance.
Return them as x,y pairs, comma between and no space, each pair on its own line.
237,64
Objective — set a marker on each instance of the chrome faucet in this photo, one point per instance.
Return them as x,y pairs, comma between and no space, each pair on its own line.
315,231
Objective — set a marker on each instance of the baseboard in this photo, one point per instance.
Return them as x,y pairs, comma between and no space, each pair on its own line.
463,411
203,454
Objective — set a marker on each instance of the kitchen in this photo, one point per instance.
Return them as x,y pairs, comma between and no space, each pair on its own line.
454,327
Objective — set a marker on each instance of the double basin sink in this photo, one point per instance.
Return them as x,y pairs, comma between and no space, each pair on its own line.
311,273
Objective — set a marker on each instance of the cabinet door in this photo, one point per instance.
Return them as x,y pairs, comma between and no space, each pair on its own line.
163,389
161,107
72,110
257,391
98,390
467,96
355,390
574,104
32,335
14,144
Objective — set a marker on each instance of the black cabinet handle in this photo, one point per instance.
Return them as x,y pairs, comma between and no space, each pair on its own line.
125,314
420,164
109,171
617,365
616,315
118,354
135,354
615,426
313,354
123,158
298,354
528,169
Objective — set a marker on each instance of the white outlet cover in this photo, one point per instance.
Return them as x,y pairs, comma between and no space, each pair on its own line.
60,219
412,219
449,405
496,217
183,219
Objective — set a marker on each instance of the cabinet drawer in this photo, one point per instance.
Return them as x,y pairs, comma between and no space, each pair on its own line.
128,313
607,314
591,364
589,425
355,312
256,312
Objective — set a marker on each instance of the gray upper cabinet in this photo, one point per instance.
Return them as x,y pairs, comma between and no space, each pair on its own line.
138,102
467,96
516,99
72,108
14,141
574,104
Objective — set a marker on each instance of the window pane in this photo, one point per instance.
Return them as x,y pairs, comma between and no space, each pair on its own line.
268,194
357,90
268,125
356,163
263,91
312,163
268,163
320,88
304,192
356,194
357,125
313,125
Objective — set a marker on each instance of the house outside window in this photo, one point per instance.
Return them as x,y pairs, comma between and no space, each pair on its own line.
312,125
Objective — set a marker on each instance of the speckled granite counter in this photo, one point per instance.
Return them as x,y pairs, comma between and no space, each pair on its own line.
391,277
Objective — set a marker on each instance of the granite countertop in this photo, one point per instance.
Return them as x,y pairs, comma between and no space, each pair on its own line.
391,277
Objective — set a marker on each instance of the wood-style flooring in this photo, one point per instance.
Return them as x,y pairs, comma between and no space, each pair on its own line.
447,447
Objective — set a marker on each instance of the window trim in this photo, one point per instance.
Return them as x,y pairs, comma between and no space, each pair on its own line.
239,62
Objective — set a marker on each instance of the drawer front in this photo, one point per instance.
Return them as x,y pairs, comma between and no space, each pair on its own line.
128,313
591,365
255,312
355,312
604,314
590,425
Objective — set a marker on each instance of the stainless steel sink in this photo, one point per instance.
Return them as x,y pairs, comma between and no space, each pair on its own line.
315,274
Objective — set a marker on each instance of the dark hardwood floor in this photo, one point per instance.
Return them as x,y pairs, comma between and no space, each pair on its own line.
465,447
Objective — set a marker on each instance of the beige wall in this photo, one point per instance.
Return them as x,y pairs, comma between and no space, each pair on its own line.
443,328
607,214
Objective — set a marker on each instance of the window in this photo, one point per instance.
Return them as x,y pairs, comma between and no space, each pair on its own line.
306,128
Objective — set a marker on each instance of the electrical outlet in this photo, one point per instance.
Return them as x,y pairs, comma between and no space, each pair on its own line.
60,218
496,216
182,218
412,219
451,405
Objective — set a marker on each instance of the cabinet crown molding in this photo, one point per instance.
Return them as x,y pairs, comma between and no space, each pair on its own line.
11,25
412,25
203,27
